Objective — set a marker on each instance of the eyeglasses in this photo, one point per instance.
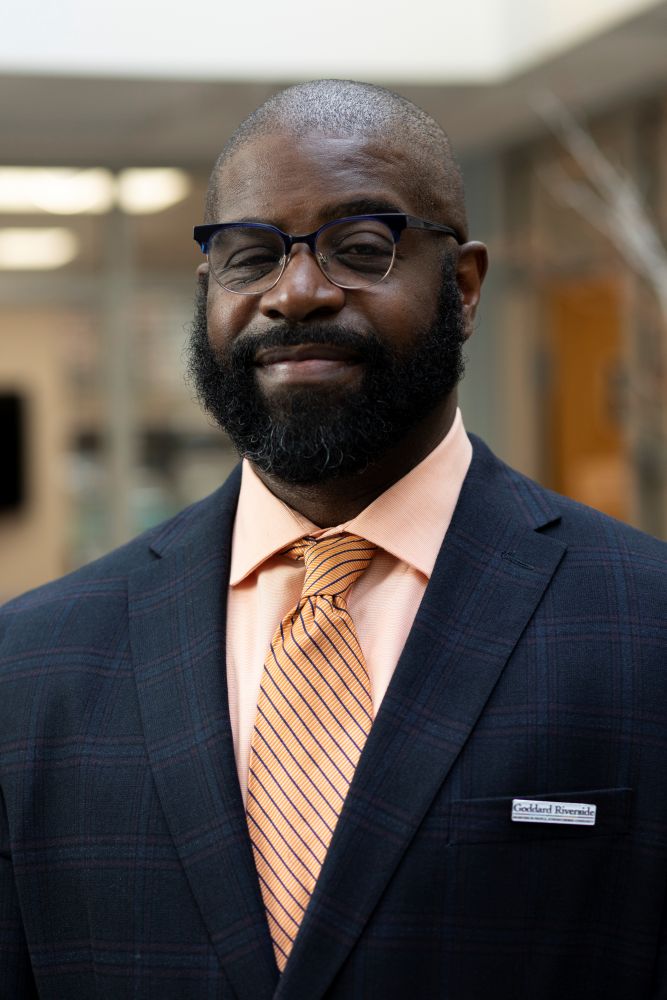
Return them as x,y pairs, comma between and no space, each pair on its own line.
249,257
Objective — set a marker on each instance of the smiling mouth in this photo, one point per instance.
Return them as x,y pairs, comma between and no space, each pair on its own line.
305,352
306,363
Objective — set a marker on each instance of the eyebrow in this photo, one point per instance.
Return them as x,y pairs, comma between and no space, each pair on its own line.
360,206
340,210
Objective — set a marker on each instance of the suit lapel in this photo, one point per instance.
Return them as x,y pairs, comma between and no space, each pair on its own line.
489,577
177,629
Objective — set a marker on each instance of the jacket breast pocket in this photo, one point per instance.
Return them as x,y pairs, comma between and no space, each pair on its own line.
480,821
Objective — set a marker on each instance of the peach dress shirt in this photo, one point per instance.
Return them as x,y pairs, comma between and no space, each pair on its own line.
407,522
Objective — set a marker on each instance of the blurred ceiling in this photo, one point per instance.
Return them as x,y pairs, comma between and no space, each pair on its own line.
427,41
119,122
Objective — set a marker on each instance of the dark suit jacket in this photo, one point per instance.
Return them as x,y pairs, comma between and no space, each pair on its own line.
536,668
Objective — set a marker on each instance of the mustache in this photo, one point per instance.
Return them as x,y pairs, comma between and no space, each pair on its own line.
244,350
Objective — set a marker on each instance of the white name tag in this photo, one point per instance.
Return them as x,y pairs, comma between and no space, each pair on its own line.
538,811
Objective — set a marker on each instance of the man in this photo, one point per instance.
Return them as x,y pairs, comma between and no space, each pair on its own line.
381,718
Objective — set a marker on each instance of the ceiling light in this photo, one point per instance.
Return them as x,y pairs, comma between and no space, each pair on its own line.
66,191
59,190
144,191
72,192
36,249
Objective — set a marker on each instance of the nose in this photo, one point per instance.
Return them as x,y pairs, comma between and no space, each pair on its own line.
303,291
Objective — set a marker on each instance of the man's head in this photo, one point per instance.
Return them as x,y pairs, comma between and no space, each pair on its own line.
311,380
361,111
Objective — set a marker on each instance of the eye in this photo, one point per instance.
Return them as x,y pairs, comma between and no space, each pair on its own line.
257,256
363,249
245,247
359,248
363,242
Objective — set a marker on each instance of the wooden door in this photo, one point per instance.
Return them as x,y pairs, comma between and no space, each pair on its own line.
587,456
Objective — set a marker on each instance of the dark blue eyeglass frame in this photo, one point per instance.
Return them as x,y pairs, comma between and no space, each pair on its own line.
396,222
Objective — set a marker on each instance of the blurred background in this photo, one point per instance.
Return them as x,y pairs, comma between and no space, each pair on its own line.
110,120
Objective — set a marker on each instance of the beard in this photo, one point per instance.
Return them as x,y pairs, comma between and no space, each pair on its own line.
312,435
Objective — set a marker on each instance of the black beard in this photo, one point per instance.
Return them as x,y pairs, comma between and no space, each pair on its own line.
314,435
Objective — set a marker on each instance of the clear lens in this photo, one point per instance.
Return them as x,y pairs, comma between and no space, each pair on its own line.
246,258
356,253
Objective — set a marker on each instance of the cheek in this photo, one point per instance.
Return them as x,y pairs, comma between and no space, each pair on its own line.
226,316
410,304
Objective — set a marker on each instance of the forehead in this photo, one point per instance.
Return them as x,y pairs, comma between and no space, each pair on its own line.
295,182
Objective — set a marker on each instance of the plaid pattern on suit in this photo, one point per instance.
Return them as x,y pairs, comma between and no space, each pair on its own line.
536,667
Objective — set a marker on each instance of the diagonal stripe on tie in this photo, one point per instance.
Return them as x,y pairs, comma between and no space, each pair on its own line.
314,714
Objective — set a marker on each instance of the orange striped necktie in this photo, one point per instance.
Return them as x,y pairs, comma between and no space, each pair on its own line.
314,713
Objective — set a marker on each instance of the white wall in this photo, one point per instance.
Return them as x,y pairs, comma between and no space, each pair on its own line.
424,41
535,30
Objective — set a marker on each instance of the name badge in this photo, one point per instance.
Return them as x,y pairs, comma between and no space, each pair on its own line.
538,811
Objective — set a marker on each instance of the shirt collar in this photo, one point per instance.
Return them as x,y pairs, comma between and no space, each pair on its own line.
409,520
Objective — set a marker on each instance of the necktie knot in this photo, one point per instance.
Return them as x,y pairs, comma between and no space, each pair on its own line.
333,564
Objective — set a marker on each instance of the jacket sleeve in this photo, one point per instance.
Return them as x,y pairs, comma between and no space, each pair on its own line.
16,979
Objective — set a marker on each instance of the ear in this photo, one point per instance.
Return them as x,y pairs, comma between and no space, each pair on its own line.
471,268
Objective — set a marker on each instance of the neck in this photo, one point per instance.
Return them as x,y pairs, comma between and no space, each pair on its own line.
339,500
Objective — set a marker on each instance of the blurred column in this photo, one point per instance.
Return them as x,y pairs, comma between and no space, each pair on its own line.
480,392
119,326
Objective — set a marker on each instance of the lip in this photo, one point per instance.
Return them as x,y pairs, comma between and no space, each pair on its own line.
307,363
305,352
